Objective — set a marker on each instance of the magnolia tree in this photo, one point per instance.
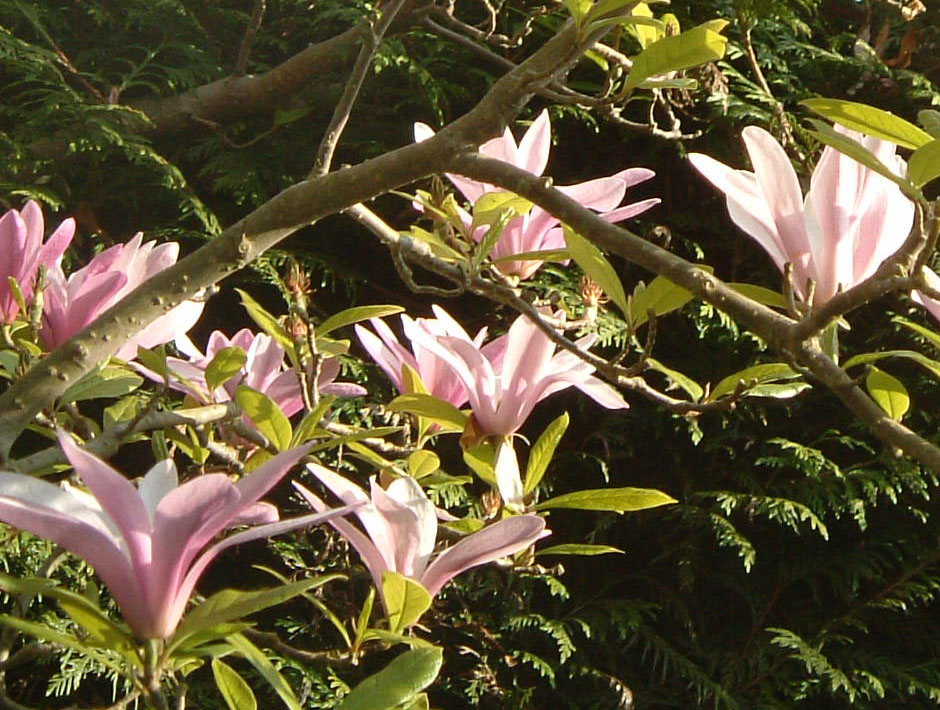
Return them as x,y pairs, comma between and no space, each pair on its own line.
248,408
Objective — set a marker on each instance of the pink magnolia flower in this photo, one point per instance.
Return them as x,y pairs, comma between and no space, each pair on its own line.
503,391
850,221
401,531
22,252
538,230
148,543
264,370
438,378
74,302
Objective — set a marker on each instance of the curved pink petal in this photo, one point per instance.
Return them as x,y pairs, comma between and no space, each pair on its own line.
506,537
535,145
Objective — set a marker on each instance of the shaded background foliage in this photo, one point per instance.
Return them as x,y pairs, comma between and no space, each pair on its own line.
801,566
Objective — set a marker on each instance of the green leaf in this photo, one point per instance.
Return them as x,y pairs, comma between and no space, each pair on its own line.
154,360
265,668
109,382
226,364
688,49
266,415
398,683
234,689
618,500
924,165
661,296
543,255
355,315
495,206
481,460
687,384
855,150
542,452
888,392
930,120
594,264
927,333
309,426
931,366
579,549
81,609
423,463
406,600
232,604
753,376
267,322
760,294
362,622
44,633
446,415
870,121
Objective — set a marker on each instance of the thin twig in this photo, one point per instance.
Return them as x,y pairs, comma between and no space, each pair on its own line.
254,24
341,113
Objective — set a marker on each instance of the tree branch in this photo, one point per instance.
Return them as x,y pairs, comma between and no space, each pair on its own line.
295,207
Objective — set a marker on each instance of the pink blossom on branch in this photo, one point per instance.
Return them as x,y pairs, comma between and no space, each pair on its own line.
503,390
538,230
438,378
400,526
264,370
73,302
850,221
22,252
148,544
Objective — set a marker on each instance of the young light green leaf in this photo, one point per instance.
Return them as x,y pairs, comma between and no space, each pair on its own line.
446,415
686,383
266,415
492,205
481,460
231,604
543,255
310,424
579,549
542,452
227,363
760,294
265,668
594,264
398,683
154,360
406,600
932,366
617,500
688,49
888,392
924,165
108,382
930,120
355,315
267,322
927,333
235,691
752,376
661,296
365,614
870,121
423,463
44,633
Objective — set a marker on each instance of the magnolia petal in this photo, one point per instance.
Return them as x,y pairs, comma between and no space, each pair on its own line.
408,492
535,145
371,557
400,535
117,496
157,484
508,476
492,542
